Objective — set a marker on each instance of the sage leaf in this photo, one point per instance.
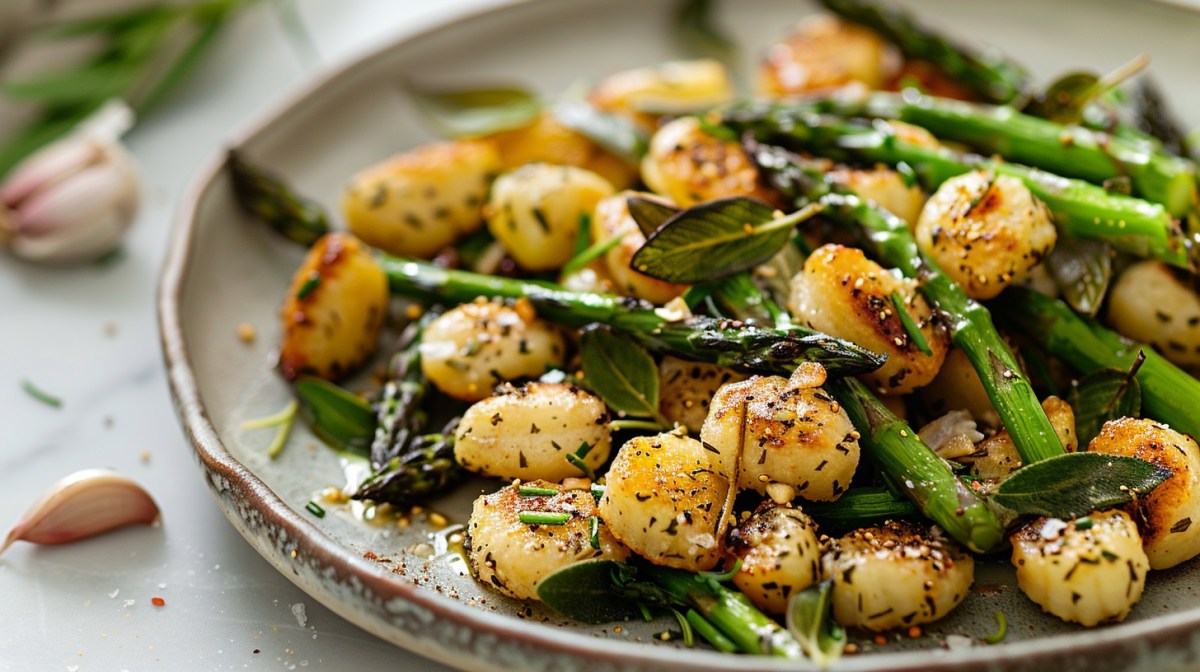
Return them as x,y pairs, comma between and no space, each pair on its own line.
621,372
337,416
584,591
617,134
1064,99
471,113
650,214
1082,270
810,620
1104,395
1076,484
717,239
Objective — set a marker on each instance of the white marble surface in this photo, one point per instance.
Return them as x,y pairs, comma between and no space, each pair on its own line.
88,335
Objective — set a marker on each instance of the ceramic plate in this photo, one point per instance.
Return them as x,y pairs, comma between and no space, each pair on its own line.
401,583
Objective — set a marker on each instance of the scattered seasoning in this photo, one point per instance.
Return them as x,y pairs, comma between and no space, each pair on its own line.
1001,629
311,283
315,509
534,491
1083,524
41,395
880,640
158,602
914,632
597,490
543,517
246,332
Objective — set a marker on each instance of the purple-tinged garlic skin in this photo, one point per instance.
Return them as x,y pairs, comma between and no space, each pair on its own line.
73,200
82,505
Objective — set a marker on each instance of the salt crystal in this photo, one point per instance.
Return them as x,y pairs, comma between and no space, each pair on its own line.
130,603
162,585
299,613
115,592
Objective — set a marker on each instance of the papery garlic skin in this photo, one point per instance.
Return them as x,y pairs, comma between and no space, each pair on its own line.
74,199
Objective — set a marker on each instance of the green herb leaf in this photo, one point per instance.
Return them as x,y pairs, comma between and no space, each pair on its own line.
590,254
584,592
617,134
810,620
910,325
650,214
621,372
470,113
1105,395
339,417
1076,484
1082,270
1001,629
41,395
697,33
716,239
1065,99
315,509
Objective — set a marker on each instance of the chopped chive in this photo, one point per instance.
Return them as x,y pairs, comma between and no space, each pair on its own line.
311,283
721,577
583,235
597,491
689,639
576,459
1084,524
284,420
710,634
315,509
42,396
534,491
1001,629
543,517
631,423
592,253
910,327
594,535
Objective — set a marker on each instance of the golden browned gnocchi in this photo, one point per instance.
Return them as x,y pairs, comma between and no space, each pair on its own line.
667,499
1088,571
824,52
986,231
547,140
780,556
470,349
1166,515
685,389
512,556
535,211
896,574
334,309
613,219
527,432
674,87
843,293
998,456
884,187
416,203
785,432
1149,303
689,166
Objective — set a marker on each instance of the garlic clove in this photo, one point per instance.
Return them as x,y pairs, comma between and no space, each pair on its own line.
46,168
82,505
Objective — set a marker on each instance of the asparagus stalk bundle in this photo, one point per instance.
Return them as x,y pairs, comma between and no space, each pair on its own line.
889,239
1080,209
724,342
1067,150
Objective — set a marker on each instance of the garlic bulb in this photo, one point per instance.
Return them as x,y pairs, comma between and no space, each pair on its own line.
72,200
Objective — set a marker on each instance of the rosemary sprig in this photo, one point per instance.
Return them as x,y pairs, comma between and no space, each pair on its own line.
146,53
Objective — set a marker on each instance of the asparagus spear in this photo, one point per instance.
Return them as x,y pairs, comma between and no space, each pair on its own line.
399,413
920,473
1071,151
270,199
1157,120
988,75
425,470
721,342
889,239
1169,394
1080,209
859,507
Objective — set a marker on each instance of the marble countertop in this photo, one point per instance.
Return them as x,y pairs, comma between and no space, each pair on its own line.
88,335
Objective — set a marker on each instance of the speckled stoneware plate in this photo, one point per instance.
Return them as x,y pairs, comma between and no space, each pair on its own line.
400,582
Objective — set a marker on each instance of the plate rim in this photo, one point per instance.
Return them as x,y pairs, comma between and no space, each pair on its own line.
309,541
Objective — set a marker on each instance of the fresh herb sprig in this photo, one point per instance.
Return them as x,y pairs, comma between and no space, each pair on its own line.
146,53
